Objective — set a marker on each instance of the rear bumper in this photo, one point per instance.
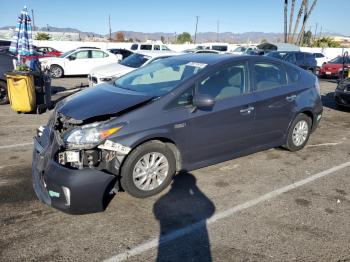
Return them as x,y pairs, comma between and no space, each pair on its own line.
342,98
72,191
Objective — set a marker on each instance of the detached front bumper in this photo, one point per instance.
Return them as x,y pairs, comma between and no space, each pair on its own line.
74,191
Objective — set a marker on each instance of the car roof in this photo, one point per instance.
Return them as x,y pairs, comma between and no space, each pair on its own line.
158,53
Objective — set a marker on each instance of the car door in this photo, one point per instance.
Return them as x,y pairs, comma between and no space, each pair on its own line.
77,63
225,129
275,101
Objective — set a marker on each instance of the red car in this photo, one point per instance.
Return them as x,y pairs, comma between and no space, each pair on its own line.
334,68
48,51
35,55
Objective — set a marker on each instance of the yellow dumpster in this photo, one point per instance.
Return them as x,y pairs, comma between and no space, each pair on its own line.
21,91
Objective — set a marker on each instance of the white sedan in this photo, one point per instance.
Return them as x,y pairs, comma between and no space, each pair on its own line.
79,61
106,73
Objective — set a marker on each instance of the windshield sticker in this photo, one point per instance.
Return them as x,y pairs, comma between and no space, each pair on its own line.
200,65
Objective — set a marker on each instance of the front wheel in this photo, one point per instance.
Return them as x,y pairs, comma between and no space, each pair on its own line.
4,99
148,169
299,133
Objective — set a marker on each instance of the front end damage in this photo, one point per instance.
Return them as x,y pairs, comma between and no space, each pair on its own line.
72,177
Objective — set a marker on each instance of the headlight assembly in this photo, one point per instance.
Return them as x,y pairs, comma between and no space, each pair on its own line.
89,135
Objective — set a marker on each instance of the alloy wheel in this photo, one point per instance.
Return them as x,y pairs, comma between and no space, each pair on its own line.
150,171
300,133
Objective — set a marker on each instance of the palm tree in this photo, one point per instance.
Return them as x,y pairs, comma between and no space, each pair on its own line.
300,13
291,21
306,17
285,19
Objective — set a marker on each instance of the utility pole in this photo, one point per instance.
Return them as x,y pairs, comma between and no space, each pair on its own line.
110,29
217,30
33,20
315,31
285,20
321,32
195,31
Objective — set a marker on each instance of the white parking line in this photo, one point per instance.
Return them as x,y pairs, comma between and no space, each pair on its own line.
5,166
16,145
324,144
7,126
221,215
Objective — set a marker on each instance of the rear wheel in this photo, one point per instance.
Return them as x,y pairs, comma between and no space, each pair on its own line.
4,99
299,133
56,71
148,169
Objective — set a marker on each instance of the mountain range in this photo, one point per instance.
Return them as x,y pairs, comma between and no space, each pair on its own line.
169,37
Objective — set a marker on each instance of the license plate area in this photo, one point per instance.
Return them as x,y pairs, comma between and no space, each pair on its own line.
328,73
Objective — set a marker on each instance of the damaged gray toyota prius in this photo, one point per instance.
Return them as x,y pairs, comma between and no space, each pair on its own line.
179,113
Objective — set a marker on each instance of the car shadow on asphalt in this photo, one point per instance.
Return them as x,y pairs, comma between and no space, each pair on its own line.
182,215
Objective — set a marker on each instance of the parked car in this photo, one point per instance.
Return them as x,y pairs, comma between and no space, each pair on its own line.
180,113
243,50
79,61
149,47
321,59
334,68
48,51
201,51
6,65
106,73
35,55
304,60
342,93
121,51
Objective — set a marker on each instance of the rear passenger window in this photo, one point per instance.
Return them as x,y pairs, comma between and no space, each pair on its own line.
268,76
134,47
98,54
293,74
225,83
146,47
156,47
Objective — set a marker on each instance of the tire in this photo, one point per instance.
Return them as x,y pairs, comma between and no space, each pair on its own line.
56,71
4,99
135,163
292,140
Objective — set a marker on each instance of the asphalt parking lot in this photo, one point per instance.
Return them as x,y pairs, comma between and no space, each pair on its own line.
270,206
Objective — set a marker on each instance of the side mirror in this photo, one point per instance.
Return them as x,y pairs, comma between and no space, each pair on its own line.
71,58
203,101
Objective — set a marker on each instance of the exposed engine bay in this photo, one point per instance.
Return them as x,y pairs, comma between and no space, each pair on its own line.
106,156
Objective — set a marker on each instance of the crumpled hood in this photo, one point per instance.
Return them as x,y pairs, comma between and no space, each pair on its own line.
104,99
111,70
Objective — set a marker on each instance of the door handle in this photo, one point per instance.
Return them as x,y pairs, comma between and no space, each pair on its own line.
247,110
291,98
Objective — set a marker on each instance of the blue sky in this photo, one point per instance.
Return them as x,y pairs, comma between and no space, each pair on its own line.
174,16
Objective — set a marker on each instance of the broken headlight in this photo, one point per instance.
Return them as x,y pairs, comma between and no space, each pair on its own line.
89,135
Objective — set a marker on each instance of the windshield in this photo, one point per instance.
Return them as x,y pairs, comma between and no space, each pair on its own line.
159,78
66,53
135,60
339,60
239,49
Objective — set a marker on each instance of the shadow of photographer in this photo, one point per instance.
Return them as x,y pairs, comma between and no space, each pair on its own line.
182,215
